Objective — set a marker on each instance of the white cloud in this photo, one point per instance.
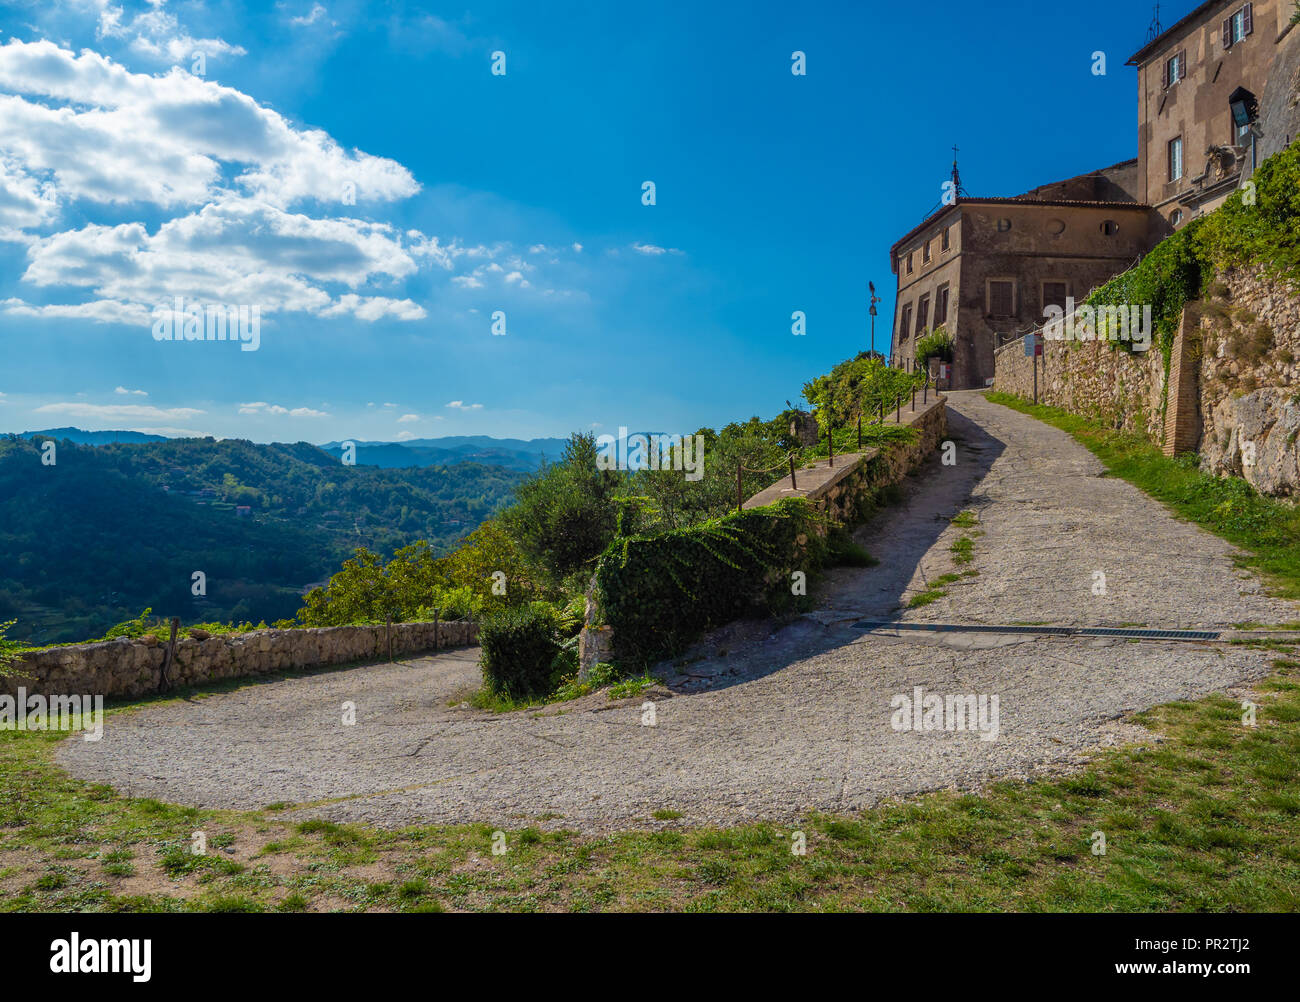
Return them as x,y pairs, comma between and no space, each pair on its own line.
460,405
652,250
315,14
158,34
408,418
103,311
262,407
123,391
405,436
109,412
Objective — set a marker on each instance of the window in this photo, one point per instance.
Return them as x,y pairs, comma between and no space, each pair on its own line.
923,315
909,264
925,253
1109,227
1004,225
1175,68
1176,216
906,322
1002,298
1238,26
941,305
1175,158
1055,294
946,242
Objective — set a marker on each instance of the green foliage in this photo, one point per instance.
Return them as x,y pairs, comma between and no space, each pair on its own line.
936,344
123,543
1180,267
857,386
565,516
662,592
519,649
9,650
1168,278
1266,233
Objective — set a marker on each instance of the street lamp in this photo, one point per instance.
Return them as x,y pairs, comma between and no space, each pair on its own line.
874,300
1244,107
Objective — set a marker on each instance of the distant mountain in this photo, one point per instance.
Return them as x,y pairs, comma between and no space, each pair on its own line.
94,437
110,529
523,455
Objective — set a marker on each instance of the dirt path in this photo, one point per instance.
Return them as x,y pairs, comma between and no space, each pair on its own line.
763,725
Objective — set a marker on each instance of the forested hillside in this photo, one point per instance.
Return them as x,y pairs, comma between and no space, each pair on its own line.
109,530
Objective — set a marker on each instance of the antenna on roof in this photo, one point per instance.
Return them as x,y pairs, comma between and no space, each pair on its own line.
1155,30
957,189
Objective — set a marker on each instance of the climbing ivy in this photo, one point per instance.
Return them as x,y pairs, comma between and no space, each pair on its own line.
661,592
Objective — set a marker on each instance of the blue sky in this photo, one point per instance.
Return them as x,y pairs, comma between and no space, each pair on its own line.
127,179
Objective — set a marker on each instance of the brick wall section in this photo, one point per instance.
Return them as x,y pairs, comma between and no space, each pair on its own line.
130,668
1183,411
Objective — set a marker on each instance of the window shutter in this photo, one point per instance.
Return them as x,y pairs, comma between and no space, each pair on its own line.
1247,19
1227,33
1182,64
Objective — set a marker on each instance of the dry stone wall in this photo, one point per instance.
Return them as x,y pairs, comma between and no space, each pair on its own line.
130,668
1235,385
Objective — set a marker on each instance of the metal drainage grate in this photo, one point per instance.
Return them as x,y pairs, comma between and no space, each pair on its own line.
1045,631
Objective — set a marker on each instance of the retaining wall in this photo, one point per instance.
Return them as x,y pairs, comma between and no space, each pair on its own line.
131,668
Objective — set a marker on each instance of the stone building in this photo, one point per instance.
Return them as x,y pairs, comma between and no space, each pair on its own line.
1210,107
1191,150
985,268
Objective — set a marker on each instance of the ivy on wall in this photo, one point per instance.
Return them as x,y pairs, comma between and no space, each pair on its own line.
663,591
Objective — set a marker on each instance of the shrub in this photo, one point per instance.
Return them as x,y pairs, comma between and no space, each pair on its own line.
519,649
662,592
936,344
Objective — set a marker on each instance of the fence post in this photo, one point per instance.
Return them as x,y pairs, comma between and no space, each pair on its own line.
793,485
914,398
898,410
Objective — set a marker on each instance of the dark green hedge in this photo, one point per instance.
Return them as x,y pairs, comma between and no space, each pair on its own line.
664,591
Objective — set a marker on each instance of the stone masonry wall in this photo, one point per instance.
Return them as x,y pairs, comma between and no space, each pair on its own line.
130,668
1234,393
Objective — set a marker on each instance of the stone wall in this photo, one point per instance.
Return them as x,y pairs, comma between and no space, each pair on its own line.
1090,378
130,668
1234,382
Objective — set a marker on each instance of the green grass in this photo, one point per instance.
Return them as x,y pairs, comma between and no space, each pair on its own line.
1267,529
925,597
1205,819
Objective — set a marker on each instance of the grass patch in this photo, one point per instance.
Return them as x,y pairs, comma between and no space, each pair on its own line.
1267,529
925,597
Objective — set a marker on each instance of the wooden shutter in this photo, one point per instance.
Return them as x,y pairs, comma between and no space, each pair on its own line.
1227,33
1182,65
1247,19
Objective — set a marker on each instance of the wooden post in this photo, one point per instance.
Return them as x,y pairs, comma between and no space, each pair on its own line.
898,410
913,398
793,485
164,679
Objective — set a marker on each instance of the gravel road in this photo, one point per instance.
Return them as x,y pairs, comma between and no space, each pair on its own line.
763,724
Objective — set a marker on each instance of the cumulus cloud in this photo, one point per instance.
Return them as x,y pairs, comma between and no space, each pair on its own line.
157,33
460,405
122,391
262,407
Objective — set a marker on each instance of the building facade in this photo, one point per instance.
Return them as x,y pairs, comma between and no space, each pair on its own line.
1191,150
986,268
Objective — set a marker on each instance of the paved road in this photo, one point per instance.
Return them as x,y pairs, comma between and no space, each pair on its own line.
761,724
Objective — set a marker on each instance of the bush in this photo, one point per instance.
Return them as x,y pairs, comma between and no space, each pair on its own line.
662,592
936,344
519,649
